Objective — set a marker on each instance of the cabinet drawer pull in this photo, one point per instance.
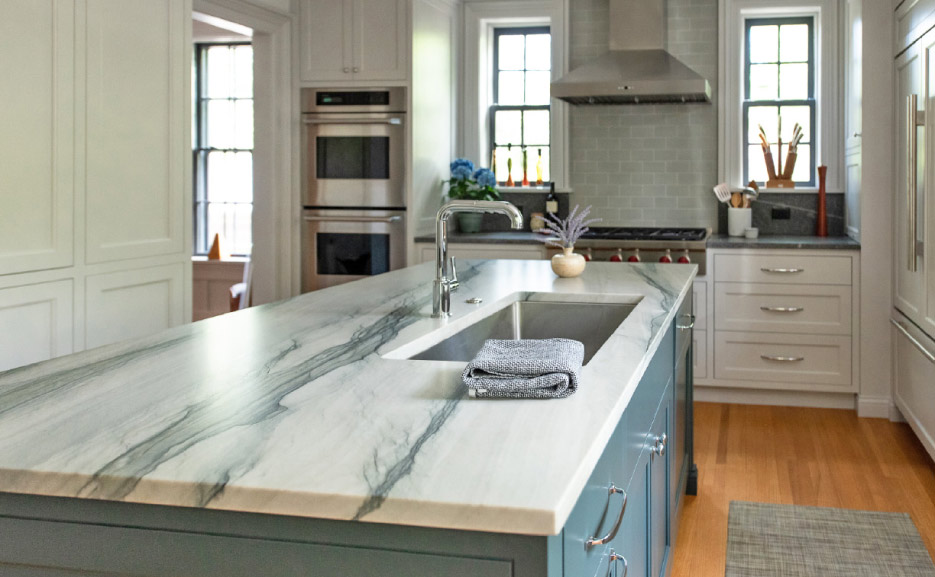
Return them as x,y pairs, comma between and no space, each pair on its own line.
915,342
783,270
660,444
782,359
613,532
691,322
783,309
614,558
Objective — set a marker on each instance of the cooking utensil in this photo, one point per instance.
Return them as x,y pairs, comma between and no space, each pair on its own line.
736,200
722,192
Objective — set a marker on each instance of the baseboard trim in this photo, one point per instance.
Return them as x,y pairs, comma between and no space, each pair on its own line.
741,396
874,407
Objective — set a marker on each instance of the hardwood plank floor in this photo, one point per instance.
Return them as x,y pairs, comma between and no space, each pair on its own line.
818,457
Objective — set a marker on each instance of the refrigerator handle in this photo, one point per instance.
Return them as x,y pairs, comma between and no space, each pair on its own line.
914,119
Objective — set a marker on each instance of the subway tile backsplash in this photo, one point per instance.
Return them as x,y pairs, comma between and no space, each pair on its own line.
647,165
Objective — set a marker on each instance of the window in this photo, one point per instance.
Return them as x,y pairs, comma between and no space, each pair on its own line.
521,113
223,146
779,94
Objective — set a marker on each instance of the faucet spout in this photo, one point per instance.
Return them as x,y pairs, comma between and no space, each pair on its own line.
443,285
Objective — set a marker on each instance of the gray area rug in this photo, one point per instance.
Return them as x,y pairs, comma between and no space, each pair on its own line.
765,540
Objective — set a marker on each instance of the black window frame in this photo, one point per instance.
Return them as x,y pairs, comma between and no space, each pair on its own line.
810,101
496,107
200,149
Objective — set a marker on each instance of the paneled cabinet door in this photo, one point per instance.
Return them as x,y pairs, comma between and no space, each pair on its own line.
380,40
37,321
353,40
37,43
327,39
907,287
925,216
659,506
137,127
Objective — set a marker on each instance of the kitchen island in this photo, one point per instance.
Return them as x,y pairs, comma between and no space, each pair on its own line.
297,438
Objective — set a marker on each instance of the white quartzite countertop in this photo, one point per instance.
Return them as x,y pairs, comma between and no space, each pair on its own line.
291,408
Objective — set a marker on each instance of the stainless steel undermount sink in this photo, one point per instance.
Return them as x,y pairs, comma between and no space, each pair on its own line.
590,323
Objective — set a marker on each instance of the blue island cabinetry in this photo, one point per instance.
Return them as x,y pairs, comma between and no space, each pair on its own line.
628,511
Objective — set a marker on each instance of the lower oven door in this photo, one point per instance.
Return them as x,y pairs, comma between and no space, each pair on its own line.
340,246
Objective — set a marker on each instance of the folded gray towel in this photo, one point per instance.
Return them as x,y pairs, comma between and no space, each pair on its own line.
525,369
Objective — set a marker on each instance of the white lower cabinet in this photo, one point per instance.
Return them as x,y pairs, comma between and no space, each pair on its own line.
914,380
783,320
133,303
37,321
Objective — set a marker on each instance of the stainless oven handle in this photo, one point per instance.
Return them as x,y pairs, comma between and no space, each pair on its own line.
352,218
395,120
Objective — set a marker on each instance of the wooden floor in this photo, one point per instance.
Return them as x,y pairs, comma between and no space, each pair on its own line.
819,457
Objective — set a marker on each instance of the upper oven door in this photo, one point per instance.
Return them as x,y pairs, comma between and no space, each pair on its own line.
354,160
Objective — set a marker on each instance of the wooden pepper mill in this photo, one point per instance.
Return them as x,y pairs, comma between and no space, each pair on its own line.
822,202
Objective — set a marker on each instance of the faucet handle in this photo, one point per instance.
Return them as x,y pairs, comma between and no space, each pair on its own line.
452,274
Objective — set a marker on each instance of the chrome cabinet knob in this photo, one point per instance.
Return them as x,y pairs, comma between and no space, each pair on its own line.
659,445
356,69
346,69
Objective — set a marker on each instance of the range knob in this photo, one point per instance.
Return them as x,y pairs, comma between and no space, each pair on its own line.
685,259
586,253
667,257
617,257
635,257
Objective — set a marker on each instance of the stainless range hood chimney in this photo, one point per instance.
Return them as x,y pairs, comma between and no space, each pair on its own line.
637,69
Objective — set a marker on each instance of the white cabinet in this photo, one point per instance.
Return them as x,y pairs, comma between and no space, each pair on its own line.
37,136
353,40
914,380
426,252
784,320
95,181
914,208
37,321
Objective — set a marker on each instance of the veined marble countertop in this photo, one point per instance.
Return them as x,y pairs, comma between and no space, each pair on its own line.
296,407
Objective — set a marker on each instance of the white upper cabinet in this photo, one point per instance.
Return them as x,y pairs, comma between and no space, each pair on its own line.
37,137
136,128
353,40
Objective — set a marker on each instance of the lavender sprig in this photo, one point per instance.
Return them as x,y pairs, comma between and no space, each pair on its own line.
570,229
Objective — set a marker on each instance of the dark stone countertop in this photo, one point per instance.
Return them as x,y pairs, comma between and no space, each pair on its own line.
782,241
716,241
506,237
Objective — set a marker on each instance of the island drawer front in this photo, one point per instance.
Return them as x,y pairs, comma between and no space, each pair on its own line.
66,549
781,268
811,359
810,309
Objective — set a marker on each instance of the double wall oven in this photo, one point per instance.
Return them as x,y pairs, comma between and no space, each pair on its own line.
353,184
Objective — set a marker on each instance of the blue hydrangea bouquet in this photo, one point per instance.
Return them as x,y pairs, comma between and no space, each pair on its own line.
468,183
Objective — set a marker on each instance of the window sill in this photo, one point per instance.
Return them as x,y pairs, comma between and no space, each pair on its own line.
531,189
204,259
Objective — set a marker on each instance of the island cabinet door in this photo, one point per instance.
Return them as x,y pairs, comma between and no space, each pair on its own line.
595,518
659,473
54,549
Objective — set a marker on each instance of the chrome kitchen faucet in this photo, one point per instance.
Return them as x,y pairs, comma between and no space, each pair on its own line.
446,277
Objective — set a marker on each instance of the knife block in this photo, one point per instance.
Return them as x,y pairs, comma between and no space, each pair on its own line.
780,183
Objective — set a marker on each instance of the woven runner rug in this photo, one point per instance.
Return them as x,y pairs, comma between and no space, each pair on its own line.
765,540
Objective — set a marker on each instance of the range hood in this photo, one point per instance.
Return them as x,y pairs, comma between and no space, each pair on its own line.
637,69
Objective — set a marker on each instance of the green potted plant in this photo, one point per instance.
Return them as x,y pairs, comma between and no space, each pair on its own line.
466,183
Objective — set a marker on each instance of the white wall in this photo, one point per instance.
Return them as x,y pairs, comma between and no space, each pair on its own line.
877,187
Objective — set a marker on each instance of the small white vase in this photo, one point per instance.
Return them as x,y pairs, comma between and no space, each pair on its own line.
568,264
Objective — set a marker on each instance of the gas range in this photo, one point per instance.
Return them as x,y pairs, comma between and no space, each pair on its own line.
633,244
